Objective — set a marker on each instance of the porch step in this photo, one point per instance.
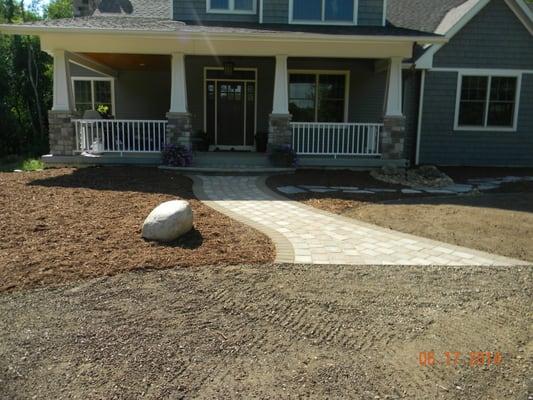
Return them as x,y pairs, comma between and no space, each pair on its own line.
230,162
237,170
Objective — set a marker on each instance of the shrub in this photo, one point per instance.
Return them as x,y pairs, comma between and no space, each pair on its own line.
32,165
283,156
177,156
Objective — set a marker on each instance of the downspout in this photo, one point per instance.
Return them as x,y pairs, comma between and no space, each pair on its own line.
260,11
420,111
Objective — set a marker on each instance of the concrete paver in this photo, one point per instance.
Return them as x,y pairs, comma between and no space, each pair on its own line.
303,234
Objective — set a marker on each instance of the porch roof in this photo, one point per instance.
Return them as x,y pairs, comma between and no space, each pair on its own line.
166,27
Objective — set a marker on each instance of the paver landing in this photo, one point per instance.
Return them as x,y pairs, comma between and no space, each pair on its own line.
303,234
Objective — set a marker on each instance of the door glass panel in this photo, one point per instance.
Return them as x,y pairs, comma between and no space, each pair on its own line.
307,10
339,10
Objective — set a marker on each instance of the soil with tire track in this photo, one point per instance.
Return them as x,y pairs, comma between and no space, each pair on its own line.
270,332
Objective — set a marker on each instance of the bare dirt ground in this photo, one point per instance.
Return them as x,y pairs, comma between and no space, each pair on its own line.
69,224
499,221
270,332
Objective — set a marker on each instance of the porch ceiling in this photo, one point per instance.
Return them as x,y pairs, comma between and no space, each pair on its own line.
132,62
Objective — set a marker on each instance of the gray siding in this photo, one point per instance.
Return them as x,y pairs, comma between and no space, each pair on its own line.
495,38
195,84
411,96
195,10
441,145
138,94
370,12
366,98
275,11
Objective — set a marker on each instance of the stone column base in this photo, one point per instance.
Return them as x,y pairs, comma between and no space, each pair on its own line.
61,133
179,129
279,130
393,138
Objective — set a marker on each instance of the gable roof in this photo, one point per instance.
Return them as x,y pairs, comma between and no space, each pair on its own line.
423,15
438,16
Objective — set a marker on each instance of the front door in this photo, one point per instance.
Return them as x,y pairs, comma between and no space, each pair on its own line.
230,127
230,113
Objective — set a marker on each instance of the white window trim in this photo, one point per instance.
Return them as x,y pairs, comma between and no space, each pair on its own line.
489,74
318,72
323,20
92,80
231,9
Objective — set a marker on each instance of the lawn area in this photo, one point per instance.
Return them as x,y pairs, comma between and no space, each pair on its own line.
499,221
67,224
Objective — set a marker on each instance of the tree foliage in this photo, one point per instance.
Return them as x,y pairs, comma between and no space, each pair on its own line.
25,80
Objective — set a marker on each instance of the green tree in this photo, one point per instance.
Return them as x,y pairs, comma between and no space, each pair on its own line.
25,80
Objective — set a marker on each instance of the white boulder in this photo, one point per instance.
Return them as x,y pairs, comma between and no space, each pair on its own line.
168,221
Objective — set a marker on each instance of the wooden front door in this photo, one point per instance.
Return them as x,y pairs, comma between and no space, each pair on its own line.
230,113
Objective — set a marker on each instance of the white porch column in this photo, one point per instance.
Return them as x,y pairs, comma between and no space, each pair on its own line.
279,131
281,86
62,90
393,135
178,97
394,89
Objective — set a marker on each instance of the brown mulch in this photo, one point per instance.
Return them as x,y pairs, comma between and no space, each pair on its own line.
68,224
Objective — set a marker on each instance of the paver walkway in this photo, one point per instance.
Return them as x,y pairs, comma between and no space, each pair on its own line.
303,234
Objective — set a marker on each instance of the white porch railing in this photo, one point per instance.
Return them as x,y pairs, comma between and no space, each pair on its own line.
336,139
120,135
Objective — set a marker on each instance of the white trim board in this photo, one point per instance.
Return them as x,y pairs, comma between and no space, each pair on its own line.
522,12
486,127
323,21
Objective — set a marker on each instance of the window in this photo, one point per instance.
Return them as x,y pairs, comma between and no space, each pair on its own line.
317,97
91,93
487,102
232,6
324,11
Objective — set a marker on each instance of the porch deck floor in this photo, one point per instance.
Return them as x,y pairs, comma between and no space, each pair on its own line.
303,234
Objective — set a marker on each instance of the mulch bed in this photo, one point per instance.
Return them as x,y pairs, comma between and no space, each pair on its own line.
68,224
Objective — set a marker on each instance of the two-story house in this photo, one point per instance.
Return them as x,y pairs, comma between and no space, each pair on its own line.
344,82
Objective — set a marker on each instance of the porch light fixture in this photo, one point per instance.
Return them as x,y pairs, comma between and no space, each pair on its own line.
229,67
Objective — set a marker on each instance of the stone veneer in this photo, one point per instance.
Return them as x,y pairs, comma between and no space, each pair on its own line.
279,132
393,138
62,134
179,129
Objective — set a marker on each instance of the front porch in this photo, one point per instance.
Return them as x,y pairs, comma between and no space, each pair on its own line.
330,111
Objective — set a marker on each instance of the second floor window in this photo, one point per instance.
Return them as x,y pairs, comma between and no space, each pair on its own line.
324,11
231,6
